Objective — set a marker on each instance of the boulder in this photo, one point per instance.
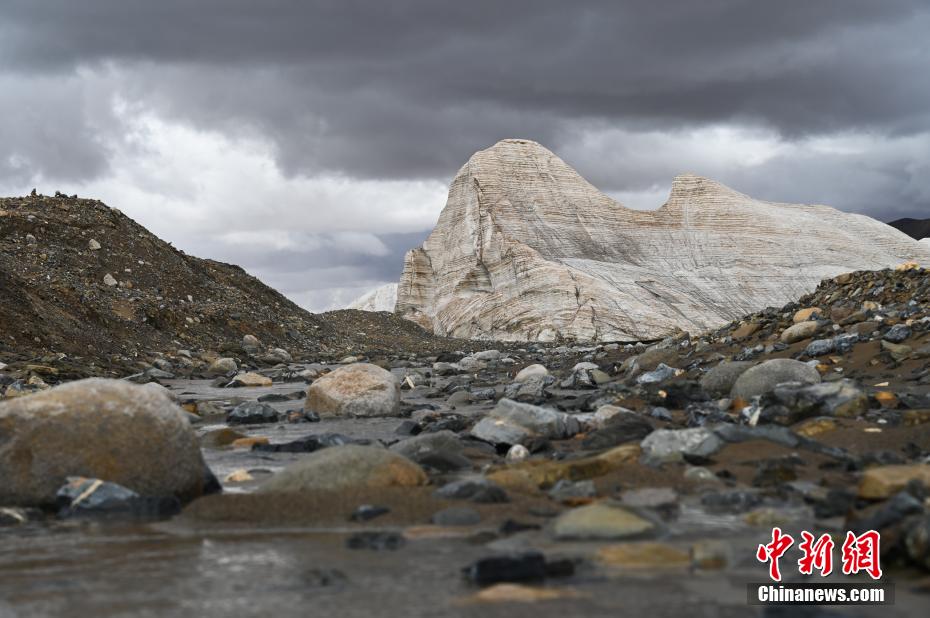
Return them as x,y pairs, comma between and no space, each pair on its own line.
809,313
719,381
98,428
475,489
251,344
763,378
898,352
673,444
250,379
277,355
439,449
884,481
360,390
601,521
459,398
541,474
799,332
529,371
897,333
658,375
222,366
800,401
618,429
746,330
512,422
530,390
251,412
346,467
654,356
488,355
820,347
83,497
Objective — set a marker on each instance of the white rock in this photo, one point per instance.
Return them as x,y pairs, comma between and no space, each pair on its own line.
584,366
671,444
517,452
93,245
488,355
926,242
526,249
530,371
382,298
280,355
109,280
471,363
355,390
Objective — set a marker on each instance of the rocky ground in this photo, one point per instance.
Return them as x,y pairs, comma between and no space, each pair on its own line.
87,291
574,478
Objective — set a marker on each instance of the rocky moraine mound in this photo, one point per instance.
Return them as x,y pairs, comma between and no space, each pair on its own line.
86,288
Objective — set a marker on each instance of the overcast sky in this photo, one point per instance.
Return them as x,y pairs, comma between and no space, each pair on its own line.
312,142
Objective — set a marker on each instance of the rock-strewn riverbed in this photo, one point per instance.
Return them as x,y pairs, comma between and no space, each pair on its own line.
596,480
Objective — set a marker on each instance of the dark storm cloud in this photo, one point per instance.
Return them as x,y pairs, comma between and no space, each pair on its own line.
378,89
295,261
406,90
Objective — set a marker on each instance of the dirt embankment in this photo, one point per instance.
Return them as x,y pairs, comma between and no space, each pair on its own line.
81,279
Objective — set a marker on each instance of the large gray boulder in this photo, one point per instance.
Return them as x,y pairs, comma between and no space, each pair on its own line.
763,378
360,389
719,381
346,467
512,422
673,444
438,449
108,429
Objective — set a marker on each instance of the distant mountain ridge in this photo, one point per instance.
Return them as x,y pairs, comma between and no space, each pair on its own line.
917,229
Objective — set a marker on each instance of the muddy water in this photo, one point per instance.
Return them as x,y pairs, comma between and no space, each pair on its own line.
175,568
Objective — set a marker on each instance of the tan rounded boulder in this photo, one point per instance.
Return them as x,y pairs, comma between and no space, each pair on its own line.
763,378
222,366
346,467
98,428
360,389
799,332
808,313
